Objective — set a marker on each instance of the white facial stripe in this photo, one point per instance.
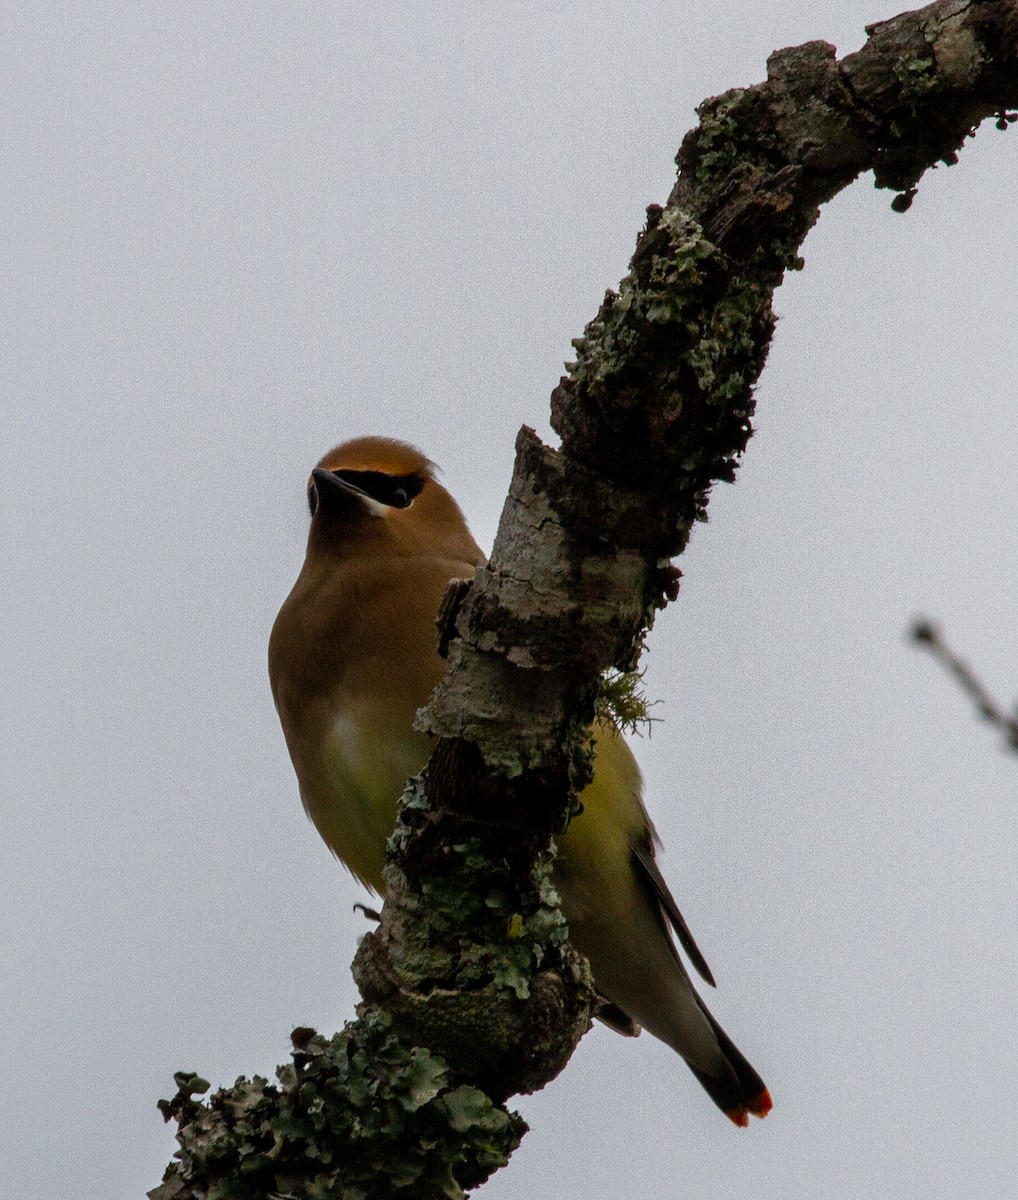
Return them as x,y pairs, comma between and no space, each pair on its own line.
375,507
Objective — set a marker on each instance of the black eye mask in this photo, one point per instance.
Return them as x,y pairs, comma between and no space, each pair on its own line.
397,491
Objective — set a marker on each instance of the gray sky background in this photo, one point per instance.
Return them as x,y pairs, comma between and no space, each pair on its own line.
236,234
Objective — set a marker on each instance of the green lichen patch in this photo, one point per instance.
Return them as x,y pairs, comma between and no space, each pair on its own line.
356,1116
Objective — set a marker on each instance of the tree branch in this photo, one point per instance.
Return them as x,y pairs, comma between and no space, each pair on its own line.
928,635
471,958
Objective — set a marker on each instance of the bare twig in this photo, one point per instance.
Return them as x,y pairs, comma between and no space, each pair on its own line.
930,636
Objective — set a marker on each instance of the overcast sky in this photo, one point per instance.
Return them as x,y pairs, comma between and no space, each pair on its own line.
235,234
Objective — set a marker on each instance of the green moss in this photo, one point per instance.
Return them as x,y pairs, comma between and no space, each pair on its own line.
622,702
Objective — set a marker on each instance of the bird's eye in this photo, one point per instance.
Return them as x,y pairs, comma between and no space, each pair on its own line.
313,499
397,491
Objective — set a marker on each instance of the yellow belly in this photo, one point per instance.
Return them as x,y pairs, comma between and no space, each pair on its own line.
352,792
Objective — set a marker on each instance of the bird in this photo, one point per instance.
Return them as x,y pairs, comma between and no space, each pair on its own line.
353,654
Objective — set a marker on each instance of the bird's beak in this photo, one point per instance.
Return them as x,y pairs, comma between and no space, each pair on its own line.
332,488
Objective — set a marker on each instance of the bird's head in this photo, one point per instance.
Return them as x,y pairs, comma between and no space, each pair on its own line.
382,494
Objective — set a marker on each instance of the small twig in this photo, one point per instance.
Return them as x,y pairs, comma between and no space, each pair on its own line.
929,635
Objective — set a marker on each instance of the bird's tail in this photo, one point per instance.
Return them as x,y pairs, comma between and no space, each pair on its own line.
739,1090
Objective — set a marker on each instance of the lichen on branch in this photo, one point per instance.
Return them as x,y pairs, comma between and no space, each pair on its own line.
354,1117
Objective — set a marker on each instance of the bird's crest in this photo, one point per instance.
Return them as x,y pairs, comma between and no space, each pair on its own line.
384,455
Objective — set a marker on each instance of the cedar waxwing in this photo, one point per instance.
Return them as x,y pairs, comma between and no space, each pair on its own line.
353,655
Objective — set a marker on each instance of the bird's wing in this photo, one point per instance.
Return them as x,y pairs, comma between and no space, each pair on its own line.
648,873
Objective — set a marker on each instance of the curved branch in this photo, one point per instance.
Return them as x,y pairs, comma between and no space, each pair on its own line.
471,959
